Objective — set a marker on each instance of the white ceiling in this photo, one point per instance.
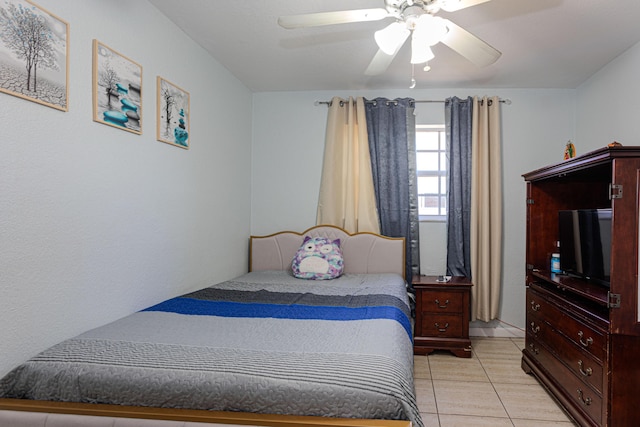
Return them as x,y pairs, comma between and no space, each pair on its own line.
544,43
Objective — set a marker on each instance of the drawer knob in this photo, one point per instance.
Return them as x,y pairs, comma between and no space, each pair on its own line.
535,306
443,329
585,401
534,349
446,303
585,343
585,372
534,328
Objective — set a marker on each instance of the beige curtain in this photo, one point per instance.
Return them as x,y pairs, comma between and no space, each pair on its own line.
486,209
347,197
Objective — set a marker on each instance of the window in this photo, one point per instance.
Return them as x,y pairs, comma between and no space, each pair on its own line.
431,159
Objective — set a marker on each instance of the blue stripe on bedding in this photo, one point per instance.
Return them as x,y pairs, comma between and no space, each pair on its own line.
199,307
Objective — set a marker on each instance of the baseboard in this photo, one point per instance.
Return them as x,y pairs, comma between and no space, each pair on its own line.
495,328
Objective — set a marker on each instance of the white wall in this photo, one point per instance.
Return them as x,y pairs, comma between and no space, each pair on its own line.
607,109
96,222
288,139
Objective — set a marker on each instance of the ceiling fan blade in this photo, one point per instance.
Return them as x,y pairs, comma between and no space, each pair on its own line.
470,46
331,18
382,60
454,5
380,63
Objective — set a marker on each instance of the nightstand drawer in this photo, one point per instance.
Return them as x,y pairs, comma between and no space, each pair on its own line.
442,301
441,326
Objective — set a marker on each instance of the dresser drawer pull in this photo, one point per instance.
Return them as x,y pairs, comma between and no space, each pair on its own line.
535,306
586,343
444,329
534,349
535,329
585,402
585,372
446,303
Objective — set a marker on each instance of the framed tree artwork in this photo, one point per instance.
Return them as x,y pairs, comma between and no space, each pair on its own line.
34,54
173,114
117,89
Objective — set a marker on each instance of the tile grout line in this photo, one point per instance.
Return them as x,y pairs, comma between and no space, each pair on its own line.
494,388
433,388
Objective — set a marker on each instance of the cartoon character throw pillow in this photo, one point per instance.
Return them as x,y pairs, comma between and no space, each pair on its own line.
319,258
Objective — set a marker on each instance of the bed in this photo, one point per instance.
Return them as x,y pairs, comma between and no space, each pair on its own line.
264,349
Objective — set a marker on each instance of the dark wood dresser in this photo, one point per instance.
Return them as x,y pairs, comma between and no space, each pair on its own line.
442,315
583,337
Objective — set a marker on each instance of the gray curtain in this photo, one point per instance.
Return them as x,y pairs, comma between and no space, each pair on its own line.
458,122
392,144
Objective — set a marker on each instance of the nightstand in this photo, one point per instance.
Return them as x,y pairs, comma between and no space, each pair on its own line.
442,315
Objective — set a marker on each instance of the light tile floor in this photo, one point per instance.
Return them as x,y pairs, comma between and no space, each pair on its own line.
488,389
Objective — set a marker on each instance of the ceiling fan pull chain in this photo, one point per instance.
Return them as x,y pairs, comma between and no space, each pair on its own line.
413,77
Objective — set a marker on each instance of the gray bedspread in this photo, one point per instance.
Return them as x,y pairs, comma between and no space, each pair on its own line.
265,342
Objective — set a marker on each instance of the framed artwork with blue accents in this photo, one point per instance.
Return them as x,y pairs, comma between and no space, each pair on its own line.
117,89
34,54
173,114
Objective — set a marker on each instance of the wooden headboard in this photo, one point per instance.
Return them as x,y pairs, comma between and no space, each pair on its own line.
362,252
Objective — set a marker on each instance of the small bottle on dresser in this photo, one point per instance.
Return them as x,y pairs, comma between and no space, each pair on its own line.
555,263
555,260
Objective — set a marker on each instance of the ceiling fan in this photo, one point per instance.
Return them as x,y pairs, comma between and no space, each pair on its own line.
412,17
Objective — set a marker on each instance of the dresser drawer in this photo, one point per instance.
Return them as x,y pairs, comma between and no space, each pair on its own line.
441,325
581,395
539,328
445,301
581,362
582,334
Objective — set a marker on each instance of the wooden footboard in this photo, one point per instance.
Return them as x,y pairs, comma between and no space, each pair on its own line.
30,407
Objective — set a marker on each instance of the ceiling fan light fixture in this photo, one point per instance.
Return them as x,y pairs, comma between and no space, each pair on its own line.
392,37
420,52
430,29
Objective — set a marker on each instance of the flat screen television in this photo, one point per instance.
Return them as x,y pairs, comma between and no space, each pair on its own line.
585,244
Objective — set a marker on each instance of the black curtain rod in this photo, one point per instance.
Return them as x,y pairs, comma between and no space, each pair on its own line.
504,101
